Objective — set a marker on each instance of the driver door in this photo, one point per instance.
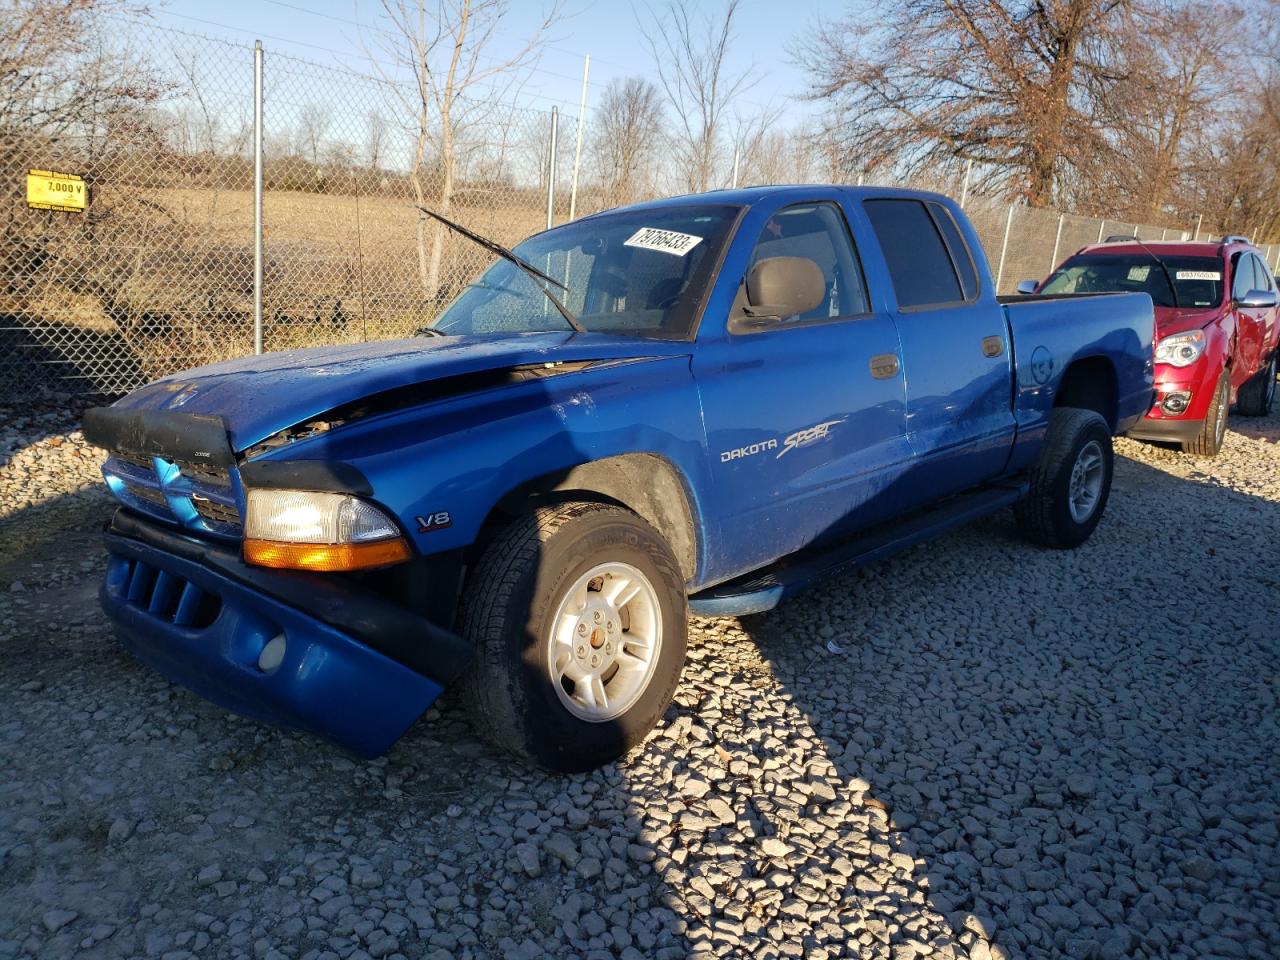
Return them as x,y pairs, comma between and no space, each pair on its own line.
805,418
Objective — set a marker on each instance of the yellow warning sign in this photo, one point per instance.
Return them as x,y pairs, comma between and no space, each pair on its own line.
47,190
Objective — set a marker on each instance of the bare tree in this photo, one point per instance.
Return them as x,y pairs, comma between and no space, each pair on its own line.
375,139
627,138
314,122
690,56
1174,74
444,46
1007,84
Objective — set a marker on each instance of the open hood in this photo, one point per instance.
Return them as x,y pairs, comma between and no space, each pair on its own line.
259,396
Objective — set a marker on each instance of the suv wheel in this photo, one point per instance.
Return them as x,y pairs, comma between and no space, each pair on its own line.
578,616
1070,482
1214,429
1259,392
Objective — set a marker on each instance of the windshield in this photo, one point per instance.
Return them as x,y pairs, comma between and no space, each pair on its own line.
640,273
1198,279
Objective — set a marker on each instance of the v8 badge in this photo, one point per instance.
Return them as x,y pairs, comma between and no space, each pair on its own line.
435,521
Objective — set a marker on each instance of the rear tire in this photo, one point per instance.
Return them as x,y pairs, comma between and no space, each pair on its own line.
570,674
1070,482
1214,429
1259,392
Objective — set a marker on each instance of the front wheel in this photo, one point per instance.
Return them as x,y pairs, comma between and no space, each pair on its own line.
1259,392
1070,482
1213,431
578,616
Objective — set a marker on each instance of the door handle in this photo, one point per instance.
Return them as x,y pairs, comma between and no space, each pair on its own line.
992,346
884,365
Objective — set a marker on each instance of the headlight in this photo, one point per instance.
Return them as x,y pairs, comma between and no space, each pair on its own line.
1182,349
302,530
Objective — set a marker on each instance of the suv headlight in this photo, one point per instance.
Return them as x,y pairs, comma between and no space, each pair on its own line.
304,530
1181,349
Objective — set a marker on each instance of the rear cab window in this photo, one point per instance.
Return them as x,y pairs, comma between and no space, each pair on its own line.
929,263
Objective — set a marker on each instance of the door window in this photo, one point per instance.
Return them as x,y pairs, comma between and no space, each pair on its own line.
817,232
1261,275
920,265
1242,280
961,255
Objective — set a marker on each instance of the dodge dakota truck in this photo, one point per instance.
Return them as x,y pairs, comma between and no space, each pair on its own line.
699,404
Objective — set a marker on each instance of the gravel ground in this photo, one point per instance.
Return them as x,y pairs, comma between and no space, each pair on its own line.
1019,753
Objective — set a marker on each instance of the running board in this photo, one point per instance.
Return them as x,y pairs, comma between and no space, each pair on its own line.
763,590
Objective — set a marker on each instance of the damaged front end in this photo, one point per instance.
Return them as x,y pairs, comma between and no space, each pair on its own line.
323,653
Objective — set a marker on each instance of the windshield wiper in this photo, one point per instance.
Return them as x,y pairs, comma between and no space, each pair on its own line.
1168,277
496,248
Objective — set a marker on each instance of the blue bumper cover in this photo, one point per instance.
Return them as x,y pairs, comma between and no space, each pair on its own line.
205,630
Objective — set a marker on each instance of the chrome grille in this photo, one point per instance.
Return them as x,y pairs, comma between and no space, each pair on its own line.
204,473
134,459
211,511
149,494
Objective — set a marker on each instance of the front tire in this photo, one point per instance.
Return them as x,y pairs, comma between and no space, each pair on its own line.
1070,482
1259,392
578,616
1208,443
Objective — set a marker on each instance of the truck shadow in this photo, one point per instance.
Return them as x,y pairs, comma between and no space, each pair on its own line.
988,757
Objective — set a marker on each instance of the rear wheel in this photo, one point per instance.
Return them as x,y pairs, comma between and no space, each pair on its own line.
578,616
1259,392
1070,482
1214,429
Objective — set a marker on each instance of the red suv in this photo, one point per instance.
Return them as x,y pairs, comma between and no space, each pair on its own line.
1216,328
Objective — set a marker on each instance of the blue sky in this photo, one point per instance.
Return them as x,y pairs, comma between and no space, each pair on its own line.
326,31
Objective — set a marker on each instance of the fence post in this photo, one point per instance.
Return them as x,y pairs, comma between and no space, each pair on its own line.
1057,240
737,158
577,151
1004,246
551,168
964,188
1101,226
257,196
1199,219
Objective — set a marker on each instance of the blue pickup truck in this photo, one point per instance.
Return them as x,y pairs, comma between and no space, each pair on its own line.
696,404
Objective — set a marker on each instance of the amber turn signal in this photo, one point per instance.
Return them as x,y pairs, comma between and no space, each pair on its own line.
326,557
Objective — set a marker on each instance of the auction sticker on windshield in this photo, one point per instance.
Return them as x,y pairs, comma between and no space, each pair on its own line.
664,241
1199,274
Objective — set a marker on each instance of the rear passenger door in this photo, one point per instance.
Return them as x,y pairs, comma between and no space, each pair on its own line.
955,347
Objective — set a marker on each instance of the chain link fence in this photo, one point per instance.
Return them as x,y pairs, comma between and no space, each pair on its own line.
157,274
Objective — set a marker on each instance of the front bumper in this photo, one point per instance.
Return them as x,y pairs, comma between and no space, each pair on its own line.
356,670
1166,429
1183,427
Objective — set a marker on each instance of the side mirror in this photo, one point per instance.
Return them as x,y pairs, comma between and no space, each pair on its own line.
781,287
1027,287
1258,299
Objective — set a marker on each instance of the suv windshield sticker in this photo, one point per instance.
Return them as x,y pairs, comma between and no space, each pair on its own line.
1199,275
664,241
1139,273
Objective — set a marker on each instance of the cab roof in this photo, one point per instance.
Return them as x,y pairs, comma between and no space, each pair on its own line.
1171,248
797,193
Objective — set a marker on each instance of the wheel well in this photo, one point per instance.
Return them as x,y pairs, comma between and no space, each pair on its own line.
1089,384
644,483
